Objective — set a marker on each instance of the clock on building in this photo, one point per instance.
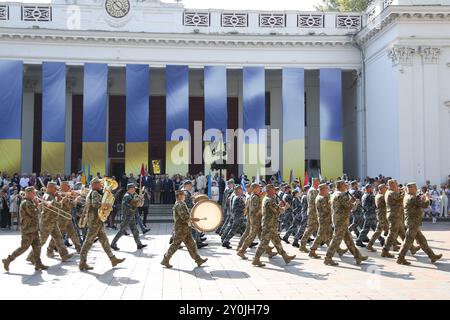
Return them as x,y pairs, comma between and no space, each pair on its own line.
117,8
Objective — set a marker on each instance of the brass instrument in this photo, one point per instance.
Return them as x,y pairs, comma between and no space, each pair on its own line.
108,199
60,212
137,201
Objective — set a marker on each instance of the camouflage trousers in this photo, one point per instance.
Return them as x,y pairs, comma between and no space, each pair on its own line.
396,229
381,226
342,233
287,220
128,222
357,221
94,231
312,227
303,219
245,234
324,234
235,226
224,224
29,240
182,235
226,228
51,229
266,237
66,227
370,222
293,227
414,233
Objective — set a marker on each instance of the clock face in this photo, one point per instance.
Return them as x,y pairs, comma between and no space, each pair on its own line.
117,8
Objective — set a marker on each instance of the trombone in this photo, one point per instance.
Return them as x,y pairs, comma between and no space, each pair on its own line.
60,212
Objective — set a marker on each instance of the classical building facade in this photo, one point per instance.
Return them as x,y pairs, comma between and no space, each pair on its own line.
106,83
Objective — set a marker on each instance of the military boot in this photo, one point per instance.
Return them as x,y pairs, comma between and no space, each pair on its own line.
295,244
285,239
66,257
115,261
402,260
396,248
287,258
370,248
414,249
341,252
313,254
258,263
386,254
201,261
83,266
253,244
242,255
272,254
6,262
304,249
40,266
435,258
360,259
360,244
330,262
166,263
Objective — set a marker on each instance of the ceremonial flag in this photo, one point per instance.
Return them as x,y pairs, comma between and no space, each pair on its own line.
89,173
320,176
306,179
83,175
291,178
258,179
209,185
279,177
300,184
244,187
140,178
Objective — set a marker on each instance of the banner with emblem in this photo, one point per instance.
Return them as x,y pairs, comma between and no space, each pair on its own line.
293,101
331,152
11,79
177,117
53,116
94,116
137,117
254,98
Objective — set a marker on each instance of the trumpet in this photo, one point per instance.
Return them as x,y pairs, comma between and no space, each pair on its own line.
60,212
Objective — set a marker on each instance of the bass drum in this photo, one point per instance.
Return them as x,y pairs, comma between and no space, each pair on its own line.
209,213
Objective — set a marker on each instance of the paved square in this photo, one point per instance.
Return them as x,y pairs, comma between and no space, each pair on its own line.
225,275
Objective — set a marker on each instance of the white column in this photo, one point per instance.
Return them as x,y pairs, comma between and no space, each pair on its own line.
239,83
27,132
68,133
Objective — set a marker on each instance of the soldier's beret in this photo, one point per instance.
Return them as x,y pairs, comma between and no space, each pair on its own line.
381,186
51,183
95,180
130,185
65,183
411,184
322,186
29,189
295,192
178,192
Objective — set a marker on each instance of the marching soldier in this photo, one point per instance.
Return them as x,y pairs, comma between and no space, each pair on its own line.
382,223
413,205
248,197
313,223
49,224
66,226
130,204
237,212
182,231
341,205
270,213
226,206
95,227
287,218
296,215
29,222
357,214
370,218
303,218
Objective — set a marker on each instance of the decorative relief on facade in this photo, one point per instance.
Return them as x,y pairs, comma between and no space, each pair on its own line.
234,20
196,19
311,21
348,22
431,55
387,3
4,12
372,13
36,13
401,55
272,20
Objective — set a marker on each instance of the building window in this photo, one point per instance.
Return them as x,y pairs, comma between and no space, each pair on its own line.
348,22
234,20
36,13
310,21
4,12
272,20
267,109
196,19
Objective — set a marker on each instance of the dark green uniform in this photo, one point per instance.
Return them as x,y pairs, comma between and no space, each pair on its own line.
128,218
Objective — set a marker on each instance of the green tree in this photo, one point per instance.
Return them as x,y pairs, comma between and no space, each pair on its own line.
343,5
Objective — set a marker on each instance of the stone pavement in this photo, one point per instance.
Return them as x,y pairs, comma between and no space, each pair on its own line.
225,275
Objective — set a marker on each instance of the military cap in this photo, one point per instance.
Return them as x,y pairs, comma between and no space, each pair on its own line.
65,183
237,187
130,185
51,183
178,192
230,181
351,183
411,184
340,183
29,189
187,182
95,180
322,185
381,186
270,186
287,186
367,186
254,185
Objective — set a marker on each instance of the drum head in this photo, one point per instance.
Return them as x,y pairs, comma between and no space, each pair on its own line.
210,213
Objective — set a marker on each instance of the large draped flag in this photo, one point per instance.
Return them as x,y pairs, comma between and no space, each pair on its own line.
306,179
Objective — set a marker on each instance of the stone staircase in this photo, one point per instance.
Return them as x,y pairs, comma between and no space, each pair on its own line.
160,213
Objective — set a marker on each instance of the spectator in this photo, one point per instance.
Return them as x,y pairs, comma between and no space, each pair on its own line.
23,182
157,190
444,202
214,191
4,210
435,201
201,182
14,202
144,209
132,179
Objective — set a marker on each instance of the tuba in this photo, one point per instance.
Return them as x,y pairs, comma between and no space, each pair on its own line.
109,185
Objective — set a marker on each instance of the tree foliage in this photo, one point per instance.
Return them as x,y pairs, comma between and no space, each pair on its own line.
343,5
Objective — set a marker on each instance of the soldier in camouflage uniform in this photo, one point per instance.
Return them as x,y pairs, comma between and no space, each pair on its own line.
382,223
296,215
248,196
303,218
357,215
288,216
313,223
29,222
226,206
66,226
95,227
413,206
270,214
182,231
187,188
49,223
130,204
254,220
341,205
370,218
237,211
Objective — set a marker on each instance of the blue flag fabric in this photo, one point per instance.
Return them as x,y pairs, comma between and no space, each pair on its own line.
209,185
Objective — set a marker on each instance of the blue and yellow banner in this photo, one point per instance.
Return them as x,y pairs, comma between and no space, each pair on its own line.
331,154
11,79
177,117
137,113
293,100
254,99
216,112
94,116
53,116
